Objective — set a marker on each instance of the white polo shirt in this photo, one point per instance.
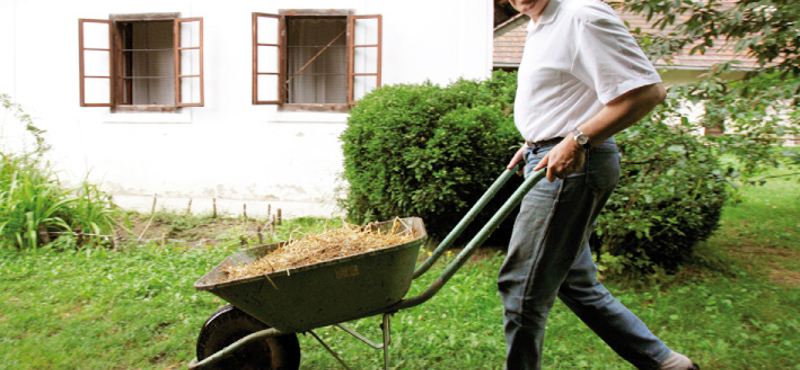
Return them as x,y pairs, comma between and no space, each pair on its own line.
577,58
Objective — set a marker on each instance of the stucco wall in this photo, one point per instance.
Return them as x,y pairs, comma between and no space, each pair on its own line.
229,149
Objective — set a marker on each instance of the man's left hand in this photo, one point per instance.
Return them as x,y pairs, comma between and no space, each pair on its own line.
564,159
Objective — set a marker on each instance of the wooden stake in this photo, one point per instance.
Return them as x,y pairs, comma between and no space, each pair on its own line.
214,204
189,207
153,209
272,226
279,217
152,215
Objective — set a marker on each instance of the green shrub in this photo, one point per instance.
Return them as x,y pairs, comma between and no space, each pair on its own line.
669,197
431,151
427,151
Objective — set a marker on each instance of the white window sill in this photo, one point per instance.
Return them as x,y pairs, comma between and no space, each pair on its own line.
179,116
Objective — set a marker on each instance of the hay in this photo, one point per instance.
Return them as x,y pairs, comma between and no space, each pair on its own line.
314,248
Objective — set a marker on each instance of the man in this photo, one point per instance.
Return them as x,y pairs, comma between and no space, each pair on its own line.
582,79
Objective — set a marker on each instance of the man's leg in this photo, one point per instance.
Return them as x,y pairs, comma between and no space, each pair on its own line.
623,331
547,237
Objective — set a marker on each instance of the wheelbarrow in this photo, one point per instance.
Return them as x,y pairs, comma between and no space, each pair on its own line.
258,329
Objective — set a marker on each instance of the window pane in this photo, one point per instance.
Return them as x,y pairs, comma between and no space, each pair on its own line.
267,59
267,30
362,85
366,60
97,90
148,63
96,63
190,34
267,88
366,31
95,35
190,62
317,72
190,90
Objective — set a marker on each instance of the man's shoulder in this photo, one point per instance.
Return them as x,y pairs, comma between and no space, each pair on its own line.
587,10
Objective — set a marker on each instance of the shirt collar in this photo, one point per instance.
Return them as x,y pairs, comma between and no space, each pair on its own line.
548,14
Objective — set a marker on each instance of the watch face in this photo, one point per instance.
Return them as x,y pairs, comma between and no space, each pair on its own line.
582,139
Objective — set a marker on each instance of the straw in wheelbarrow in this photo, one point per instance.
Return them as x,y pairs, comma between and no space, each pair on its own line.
328,245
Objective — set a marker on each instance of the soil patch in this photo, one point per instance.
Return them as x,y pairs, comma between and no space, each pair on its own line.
191,231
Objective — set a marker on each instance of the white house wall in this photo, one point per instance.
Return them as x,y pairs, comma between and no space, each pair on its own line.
229,149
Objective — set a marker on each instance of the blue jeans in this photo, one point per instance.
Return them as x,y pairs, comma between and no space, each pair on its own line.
549,256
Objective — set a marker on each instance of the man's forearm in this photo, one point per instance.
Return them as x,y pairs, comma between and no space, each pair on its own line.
623,112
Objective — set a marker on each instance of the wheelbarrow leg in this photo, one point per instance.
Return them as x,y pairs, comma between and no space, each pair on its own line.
325,345
387,334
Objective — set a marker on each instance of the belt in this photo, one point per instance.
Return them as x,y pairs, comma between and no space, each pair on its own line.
547,142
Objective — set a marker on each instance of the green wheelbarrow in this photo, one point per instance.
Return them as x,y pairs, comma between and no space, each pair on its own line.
258,329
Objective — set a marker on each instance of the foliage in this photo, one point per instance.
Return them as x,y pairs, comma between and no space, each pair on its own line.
427,151
34,205
764,29
756,112
669,198
38,134
754,116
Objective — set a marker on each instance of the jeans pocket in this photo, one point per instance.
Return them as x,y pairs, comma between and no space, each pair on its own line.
603,169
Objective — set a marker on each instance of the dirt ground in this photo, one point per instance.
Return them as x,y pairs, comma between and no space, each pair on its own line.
191,231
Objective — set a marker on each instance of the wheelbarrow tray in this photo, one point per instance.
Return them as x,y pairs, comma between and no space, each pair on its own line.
325,293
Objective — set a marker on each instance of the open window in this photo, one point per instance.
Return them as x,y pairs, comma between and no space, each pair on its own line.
141,62
318,60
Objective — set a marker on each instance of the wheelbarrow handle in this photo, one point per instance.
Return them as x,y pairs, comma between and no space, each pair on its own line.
468,218
473,244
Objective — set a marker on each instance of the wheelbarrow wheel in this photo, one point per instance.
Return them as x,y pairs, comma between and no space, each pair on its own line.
230,324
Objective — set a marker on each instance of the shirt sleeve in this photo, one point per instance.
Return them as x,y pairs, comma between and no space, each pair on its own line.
607,57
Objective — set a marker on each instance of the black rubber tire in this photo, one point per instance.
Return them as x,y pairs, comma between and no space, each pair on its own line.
230,324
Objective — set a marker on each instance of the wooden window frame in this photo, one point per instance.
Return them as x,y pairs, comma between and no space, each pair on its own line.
282,92
178,76
82,63
281,45
115,72
351,44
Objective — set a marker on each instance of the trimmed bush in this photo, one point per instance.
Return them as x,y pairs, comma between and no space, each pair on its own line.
427,151
669,197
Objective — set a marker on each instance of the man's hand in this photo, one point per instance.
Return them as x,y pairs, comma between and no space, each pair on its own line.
517,156
564,159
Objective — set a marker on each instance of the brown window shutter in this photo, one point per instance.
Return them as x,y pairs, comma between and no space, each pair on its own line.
188,46
268,50
95,64
364,59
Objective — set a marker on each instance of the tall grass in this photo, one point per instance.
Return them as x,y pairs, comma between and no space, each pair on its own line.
35,208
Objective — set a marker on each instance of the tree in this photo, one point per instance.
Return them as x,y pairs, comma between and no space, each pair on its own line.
755,112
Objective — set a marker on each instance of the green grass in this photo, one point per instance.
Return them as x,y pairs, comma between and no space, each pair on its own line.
736,308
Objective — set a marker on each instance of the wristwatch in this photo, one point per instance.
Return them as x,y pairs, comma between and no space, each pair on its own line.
581,138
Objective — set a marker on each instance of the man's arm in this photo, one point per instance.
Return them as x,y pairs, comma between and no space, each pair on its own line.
619,114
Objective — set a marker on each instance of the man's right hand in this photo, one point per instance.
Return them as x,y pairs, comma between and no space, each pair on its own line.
517,156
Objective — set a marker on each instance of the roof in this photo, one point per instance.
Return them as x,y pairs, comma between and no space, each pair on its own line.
509,41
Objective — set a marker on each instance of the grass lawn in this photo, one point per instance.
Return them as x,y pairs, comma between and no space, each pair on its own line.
737,307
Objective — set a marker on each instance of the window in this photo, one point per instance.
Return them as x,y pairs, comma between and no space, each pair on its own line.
315,59
141,62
